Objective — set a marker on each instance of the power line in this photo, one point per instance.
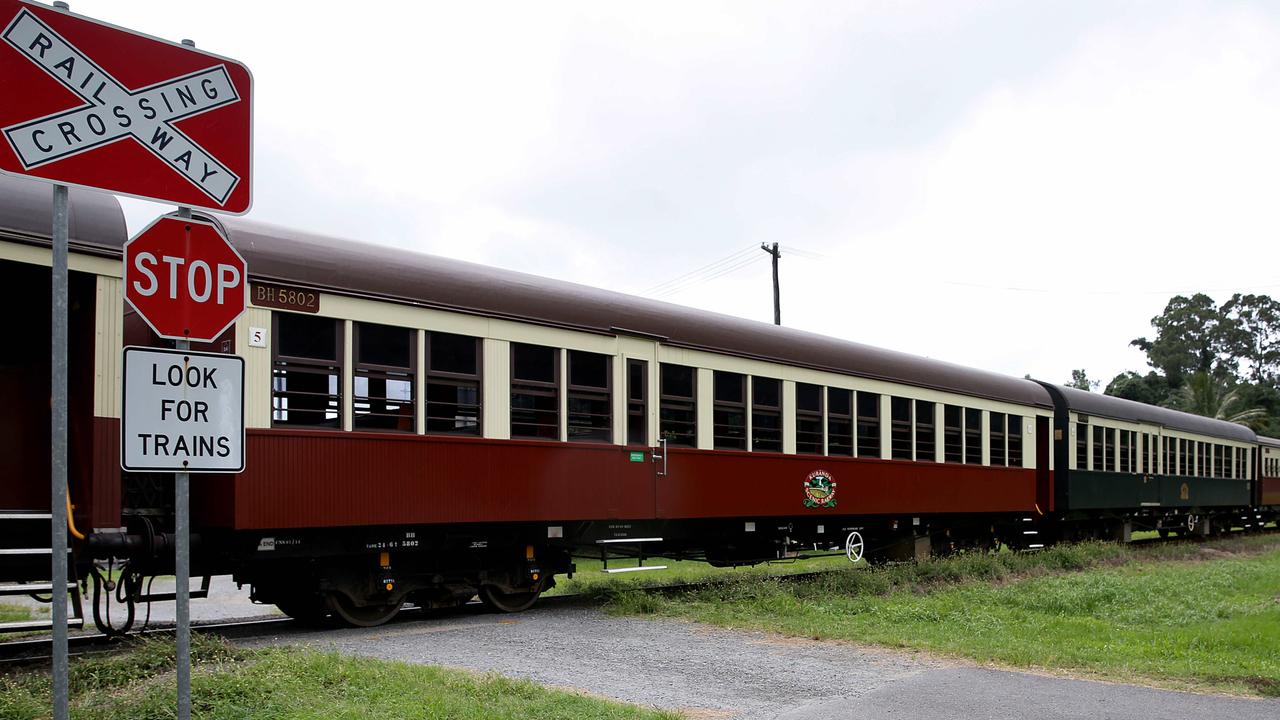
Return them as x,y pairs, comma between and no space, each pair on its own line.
710,267
722,272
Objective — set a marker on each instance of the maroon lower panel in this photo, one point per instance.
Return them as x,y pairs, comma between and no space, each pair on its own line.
317,479
703,483
99,500
1271,491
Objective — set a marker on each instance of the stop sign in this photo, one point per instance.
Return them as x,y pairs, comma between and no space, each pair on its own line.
184,278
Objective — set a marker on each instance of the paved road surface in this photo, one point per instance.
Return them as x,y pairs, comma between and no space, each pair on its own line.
710,672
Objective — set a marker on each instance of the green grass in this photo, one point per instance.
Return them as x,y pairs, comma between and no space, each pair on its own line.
10,612
292,684
591,580
1200,616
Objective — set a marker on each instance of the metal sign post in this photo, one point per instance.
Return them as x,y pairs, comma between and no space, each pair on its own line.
58,443
182,563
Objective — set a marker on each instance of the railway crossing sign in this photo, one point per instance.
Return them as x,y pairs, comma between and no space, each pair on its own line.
86,103
183,411
185,278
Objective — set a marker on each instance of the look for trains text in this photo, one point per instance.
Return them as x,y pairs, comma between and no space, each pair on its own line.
185,411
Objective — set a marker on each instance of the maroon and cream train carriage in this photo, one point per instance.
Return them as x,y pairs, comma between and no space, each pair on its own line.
424,429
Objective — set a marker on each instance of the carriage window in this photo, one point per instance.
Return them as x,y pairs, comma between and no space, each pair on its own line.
1220,461
730,411
1013,430
306,372
1109,449
589,403
1099,448
808,419
900,428
453,384
1082,446
677,408
839,422
1184,457
996,439
766,414
637,415
382,385
1202,459
868,425
925,442
535,392
1146,454
1126,440
972,436
953,433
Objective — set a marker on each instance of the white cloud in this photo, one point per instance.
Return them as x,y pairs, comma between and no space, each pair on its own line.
934,154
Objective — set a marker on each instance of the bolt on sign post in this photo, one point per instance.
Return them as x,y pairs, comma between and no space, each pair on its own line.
88,104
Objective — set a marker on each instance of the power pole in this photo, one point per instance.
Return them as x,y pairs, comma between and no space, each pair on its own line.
777,297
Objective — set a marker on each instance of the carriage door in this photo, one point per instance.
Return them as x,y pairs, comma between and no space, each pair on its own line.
1044,477
1149,454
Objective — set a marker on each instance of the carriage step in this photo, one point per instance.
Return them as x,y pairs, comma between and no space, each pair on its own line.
640,568
28,551
18,515
28,625
31,588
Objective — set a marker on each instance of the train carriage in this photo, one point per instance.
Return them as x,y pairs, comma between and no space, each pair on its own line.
423,429
1124,461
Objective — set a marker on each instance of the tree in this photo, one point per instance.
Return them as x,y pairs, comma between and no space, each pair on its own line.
1152,389
1192,337
1081,381
1203,394
1252,326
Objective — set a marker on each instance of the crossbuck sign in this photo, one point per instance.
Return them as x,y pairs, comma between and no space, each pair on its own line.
132,114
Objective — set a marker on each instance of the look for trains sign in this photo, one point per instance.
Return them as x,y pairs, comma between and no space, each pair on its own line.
90,104
183,411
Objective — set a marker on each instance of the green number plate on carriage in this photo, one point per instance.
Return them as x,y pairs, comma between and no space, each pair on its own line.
637,457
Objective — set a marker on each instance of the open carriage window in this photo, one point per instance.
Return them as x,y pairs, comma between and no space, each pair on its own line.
382,396
306,371
535,392
453,384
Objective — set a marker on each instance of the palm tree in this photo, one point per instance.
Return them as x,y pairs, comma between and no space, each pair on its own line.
1206,395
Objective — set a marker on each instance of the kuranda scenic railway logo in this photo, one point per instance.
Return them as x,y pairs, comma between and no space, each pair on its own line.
819,490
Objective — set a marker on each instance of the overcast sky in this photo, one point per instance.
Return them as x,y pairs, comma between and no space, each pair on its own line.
1013,186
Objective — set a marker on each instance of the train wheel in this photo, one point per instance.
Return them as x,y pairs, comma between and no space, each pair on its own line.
306,609
507,602
362,615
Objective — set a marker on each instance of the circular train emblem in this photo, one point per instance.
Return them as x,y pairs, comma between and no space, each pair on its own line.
819,490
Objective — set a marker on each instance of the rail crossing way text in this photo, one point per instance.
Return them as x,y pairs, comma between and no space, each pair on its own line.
183,411
113,112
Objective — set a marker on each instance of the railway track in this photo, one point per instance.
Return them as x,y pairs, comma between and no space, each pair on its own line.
33,651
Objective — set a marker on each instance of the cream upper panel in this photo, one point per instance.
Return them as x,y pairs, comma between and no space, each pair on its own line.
364,310
77,262
748,366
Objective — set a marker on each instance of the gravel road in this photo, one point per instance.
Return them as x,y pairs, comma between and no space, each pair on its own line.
709,672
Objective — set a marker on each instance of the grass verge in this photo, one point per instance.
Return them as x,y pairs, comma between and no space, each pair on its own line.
10,612
293,683
1194,616
591,580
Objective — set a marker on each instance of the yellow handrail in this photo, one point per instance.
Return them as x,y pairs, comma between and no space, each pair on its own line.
71,521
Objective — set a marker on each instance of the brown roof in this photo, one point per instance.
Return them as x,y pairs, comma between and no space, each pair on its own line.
96,222
1083,401
362,269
